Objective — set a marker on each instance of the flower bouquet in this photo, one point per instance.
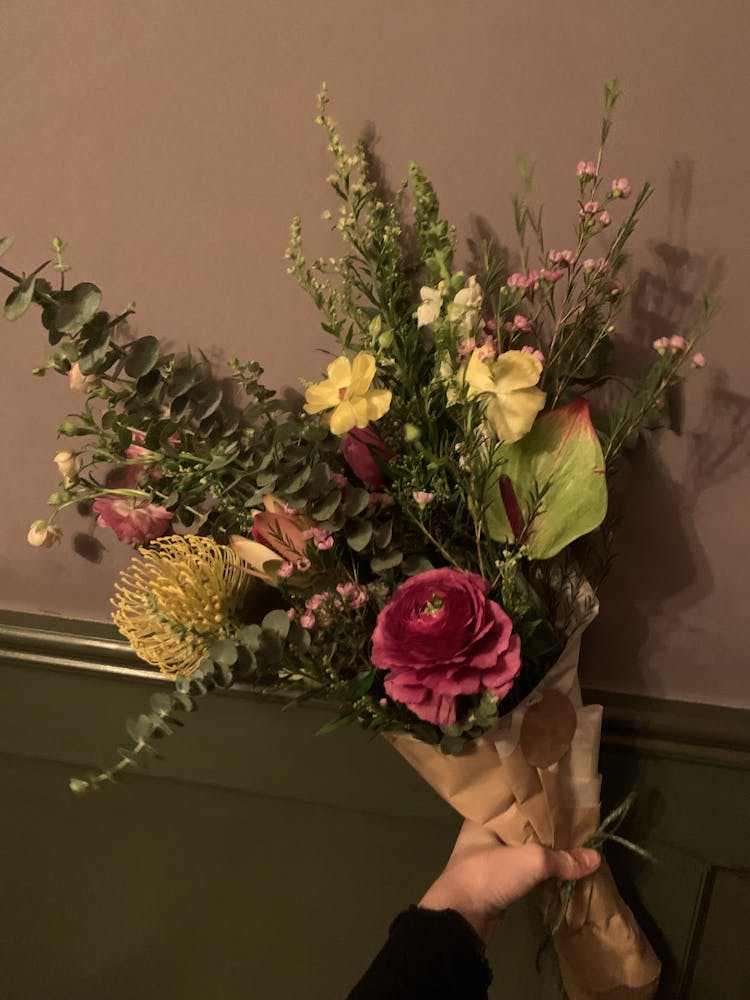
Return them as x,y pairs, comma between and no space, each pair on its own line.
422,543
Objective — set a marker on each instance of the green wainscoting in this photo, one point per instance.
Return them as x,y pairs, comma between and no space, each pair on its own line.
259,861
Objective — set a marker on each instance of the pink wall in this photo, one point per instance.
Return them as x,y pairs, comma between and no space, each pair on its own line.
171,142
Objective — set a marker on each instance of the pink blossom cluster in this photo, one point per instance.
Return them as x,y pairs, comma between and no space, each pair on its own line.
563,257
485,345
677,345
321,538
318,607
586,170
532,279
620,188
535,354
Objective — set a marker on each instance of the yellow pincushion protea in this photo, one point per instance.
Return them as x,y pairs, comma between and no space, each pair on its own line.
177,597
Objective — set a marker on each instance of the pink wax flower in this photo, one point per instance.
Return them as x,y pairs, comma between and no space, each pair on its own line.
307,620
661,345
338,479
488,349
303,565
677,343
440,637
553,275
384,498
590,208
621,188
535,354
699,360
422,498
518,280
135,522
564,257
605,218
285,570
354,595
520,323
465,346
366,454
586,169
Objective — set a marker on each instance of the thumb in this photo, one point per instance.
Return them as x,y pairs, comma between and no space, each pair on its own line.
533,864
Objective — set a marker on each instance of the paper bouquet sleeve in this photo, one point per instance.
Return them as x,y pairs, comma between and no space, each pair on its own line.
535,779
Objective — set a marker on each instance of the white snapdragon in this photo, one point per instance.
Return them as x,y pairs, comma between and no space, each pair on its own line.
432,303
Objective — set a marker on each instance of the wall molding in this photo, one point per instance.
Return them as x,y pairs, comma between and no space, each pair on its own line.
704,733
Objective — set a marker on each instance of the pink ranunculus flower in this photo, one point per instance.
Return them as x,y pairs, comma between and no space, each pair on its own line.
133,521
366,454
440,637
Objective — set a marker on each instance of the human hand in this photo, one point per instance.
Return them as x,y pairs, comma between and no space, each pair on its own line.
484,876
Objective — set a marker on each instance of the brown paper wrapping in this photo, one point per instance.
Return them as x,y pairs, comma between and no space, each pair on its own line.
554,801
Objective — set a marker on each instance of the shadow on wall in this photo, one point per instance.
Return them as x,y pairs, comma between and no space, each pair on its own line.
661,558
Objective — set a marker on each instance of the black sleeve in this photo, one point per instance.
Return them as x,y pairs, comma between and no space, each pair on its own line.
429,955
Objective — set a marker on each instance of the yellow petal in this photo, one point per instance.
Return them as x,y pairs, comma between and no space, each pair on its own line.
478,375
515,370
340,372
378,403
363,372
512,415
322,396
347,415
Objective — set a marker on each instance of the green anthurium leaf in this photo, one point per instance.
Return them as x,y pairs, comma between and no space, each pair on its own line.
20,299
77,307
558,467
6,242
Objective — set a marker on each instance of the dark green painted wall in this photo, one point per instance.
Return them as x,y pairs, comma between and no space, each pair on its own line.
259,861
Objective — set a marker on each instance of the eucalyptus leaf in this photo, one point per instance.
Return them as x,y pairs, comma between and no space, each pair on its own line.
386,561
355,500
277,622
142,356
323,508
414,564
223,652
77,307
20,299
358,533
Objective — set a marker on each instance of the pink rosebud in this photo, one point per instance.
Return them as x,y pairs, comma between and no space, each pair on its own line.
605,218
79,382
134,522
423,498
677,343
285,570
535,354
699,360
383,703
367,455
307,620
586,169
621,188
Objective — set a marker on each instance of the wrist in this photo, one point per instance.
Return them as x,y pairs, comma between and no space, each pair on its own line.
441,897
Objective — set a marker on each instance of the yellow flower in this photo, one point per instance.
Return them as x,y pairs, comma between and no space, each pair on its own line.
347,391
508,385
177,597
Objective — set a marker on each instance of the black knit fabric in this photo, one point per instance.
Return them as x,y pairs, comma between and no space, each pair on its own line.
429,955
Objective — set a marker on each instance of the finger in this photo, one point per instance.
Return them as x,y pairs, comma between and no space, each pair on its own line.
573,864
